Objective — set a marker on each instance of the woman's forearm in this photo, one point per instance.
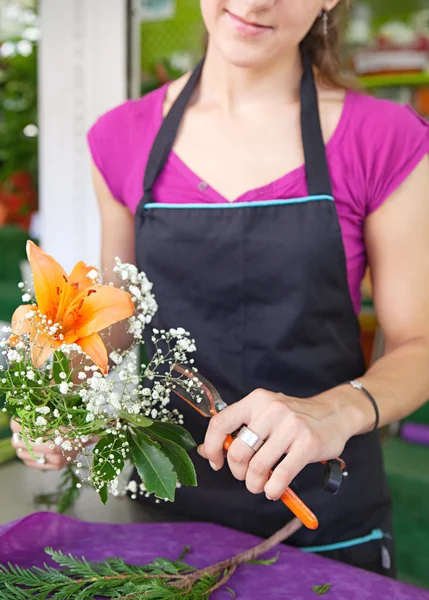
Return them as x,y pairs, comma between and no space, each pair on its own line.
399,382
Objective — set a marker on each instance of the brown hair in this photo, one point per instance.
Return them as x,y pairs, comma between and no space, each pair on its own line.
326,50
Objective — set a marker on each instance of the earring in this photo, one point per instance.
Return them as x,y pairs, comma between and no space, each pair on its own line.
324,15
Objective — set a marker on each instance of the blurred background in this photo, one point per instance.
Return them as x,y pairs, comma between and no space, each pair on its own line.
65,62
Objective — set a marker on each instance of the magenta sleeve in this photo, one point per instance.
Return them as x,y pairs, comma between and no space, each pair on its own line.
397,143
107,141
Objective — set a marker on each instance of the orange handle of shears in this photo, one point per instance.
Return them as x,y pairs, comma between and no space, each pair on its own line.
290,499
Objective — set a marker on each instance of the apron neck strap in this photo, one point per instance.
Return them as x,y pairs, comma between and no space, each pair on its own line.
316,164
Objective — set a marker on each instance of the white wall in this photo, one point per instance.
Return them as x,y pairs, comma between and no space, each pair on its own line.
82,73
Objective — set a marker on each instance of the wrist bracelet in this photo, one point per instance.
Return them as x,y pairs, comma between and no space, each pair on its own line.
358,386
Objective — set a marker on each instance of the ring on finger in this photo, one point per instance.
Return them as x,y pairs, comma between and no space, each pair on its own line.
250,438
41,460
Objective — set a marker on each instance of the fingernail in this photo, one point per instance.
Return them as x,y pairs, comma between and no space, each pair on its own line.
199,450
213,466
268,497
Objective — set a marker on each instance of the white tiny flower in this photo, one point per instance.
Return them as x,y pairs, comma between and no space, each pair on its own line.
40,422
89,418
21,285
30,375
81,375
64,387
93,275
43,410
17,438
56,413
132,486
63,376
154,413
66,446
58,440
14,356
26,297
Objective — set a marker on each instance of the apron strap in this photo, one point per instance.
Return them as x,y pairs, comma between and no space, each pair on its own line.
167,134
316,164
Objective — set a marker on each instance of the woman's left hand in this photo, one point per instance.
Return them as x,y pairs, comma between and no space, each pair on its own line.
306,430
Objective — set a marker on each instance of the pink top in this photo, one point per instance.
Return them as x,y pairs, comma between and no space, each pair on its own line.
376,145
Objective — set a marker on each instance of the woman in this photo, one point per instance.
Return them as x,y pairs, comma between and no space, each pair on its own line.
264,269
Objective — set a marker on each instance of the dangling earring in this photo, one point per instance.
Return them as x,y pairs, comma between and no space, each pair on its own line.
324,15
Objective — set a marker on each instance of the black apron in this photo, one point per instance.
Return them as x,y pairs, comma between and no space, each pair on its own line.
262,287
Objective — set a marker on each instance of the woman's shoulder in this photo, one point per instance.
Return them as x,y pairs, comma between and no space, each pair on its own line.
381,120
123,136
142,114
383,142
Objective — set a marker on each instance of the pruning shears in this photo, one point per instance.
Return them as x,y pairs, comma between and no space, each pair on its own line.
205,399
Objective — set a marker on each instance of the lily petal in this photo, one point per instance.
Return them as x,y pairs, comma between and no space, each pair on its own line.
21,325
95,309
94,347
42,347
79,276
49,280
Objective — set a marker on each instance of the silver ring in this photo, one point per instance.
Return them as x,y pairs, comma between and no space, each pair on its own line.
251,439
41,460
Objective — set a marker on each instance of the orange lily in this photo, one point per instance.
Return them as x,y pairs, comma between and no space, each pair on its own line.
77,303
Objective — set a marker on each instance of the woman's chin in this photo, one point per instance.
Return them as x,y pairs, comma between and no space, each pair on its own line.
243,56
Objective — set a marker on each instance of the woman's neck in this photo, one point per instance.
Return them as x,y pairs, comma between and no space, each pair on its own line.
236,88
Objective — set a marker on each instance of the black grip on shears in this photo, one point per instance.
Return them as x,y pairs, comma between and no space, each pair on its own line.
333,477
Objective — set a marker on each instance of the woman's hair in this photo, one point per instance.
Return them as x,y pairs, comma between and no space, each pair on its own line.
326,50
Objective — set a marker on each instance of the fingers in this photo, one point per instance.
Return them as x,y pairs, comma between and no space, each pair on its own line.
32,464
297,458
240,455
228,421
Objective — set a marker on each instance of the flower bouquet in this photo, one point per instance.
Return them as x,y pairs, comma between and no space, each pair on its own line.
60,391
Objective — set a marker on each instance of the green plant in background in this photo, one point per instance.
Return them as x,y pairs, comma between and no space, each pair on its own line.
18,135
18,115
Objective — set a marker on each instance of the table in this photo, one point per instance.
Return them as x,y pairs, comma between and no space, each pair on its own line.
293,576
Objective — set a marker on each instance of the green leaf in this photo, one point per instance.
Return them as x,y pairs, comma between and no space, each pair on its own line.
109,456
174,433
154,468
267,562
61,364
320,590
103,493
182,464
138,420
185,551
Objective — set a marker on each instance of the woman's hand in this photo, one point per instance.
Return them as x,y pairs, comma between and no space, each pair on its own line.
55,457
306,430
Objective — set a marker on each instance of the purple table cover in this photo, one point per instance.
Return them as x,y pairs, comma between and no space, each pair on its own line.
293,576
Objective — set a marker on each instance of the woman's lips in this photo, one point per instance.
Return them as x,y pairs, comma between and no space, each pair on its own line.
245,28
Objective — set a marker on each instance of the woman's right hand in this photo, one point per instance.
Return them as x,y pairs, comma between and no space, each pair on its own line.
55,458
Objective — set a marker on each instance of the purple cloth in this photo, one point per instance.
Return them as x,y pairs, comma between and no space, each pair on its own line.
376,145
415,433
293,576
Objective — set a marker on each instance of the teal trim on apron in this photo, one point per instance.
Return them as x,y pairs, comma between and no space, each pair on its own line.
241,204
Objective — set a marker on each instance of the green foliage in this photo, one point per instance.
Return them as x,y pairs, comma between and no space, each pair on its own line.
18,108
179,458
174,433
321,590
77,579
153,466
65,495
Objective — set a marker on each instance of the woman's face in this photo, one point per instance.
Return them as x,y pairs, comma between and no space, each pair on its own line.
254,33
